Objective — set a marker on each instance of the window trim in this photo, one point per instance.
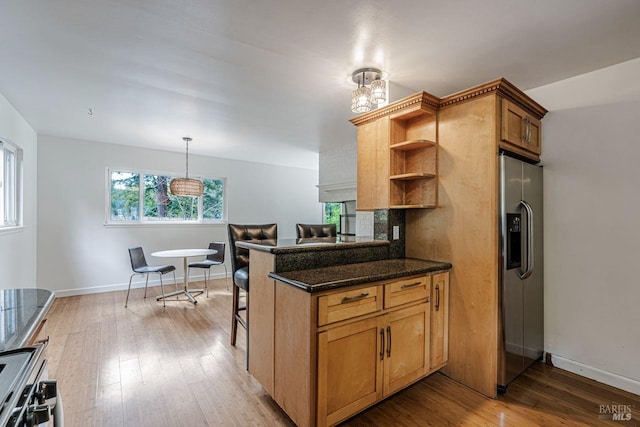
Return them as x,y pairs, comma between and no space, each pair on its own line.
18,179
141,221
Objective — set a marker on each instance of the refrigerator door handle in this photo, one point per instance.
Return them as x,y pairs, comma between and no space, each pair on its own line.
529,215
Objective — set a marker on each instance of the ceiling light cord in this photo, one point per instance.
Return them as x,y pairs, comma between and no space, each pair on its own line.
186,139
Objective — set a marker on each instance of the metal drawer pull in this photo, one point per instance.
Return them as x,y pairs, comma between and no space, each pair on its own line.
382,344
356,298
410,285
388,341
437,297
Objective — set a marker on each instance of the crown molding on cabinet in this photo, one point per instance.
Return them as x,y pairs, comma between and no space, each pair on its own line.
425,102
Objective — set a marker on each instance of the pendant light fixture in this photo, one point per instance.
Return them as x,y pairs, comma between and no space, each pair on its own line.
364,96
186,186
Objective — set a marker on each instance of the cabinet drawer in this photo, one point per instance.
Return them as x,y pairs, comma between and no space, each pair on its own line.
408,290
347,304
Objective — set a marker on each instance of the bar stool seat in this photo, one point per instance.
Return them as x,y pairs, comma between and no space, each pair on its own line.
241,278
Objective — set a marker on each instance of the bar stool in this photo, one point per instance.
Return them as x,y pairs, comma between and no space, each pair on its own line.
265,233
312,231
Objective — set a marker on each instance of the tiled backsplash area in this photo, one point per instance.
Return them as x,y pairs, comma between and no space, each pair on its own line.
384,220
379,224
364,223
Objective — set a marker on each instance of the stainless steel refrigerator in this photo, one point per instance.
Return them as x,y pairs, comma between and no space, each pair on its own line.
521,276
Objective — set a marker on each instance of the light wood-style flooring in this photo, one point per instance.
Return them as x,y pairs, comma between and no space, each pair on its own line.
152,366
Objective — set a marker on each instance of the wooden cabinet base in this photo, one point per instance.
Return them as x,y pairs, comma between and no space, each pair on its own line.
335,353
349,374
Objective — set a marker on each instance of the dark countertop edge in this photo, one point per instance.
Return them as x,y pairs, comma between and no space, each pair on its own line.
444,266
310,247
27,333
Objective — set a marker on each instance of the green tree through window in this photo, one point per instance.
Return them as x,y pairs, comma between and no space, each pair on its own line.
332,213
158,204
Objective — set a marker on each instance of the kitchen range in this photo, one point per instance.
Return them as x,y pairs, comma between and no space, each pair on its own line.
28,397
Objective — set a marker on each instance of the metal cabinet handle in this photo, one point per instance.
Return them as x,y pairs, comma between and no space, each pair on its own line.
388,341
437,297
382,344
356,298
526,136
410,285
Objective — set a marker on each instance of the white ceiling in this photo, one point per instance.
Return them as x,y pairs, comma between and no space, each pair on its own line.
269,80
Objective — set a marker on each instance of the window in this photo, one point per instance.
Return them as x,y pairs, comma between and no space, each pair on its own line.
10,185
332,212
141,197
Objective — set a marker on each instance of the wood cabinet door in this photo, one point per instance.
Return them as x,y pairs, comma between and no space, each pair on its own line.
349,369
373,165
520,129
439,321
406,346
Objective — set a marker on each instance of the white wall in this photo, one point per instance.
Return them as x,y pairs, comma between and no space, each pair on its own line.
337,174
78,254
18,246
591,153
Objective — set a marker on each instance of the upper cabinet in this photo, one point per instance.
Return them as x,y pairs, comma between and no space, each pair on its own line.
520,130
398,144
397,155
373,165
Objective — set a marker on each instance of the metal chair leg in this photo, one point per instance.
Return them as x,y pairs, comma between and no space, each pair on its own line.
146,282
226,276
206,284
175,282
126,301
161,290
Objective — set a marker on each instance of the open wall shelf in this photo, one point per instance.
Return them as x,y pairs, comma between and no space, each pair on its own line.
413,160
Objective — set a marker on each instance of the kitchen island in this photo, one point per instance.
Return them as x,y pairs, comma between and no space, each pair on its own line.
346,328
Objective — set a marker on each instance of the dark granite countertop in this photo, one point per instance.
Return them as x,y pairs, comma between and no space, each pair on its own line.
282,246
21,311
322,279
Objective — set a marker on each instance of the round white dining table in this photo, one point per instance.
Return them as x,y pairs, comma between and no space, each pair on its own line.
184,254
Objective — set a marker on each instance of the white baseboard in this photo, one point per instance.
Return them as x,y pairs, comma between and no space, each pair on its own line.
605,377
138,282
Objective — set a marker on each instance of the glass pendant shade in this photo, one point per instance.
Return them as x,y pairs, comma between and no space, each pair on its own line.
371,89
378,92
361,100
186,187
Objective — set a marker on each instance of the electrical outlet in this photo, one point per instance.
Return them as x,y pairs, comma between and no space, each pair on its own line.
396,232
